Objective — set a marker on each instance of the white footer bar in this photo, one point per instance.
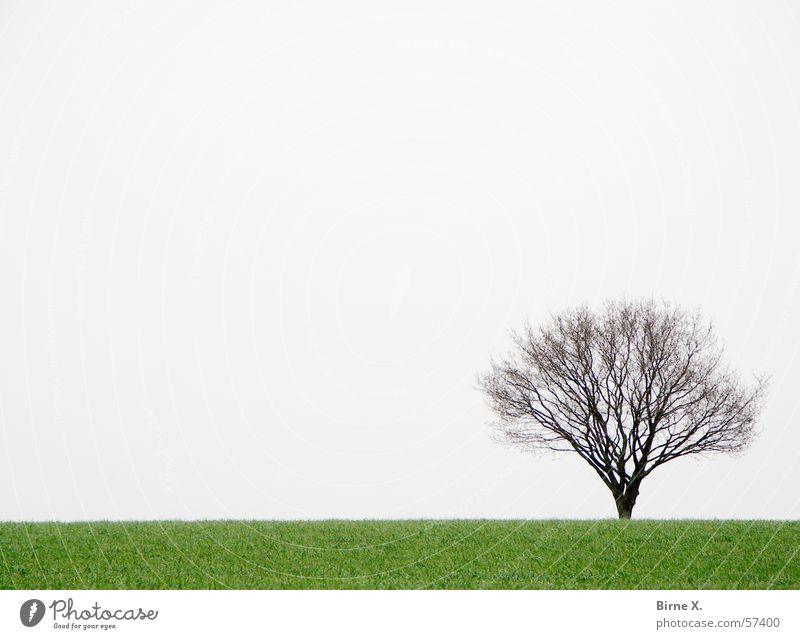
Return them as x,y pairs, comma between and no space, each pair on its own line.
401,614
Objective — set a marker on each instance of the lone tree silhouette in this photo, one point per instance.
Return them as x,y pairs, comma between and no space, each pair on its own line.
628,389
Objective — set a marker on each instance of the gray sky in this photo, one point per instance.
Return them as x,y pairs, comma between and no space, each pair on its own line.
252,257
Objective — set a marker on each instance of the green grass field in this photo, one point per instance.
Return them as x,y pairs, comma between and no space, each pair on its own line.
401,554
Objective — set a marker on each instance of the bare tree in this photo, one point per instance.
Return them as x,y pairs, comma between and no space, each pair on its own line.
628,389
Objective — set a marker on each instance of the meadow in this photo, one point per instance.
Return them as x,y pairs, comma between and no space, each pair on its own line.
432,554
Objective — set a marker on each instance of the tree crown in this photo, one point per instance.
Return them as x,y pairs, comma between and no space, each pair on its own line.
628,388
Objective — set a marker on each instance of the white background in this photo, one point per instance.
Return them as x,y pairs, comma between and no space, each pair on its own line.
252,256
412,613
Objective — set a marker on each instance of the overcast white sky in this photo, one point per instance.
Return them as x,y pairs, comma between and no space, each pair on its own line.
252,256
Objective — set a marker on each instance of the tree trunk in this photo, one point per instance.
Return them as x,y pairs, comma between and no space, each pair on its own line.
624,509
625,500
